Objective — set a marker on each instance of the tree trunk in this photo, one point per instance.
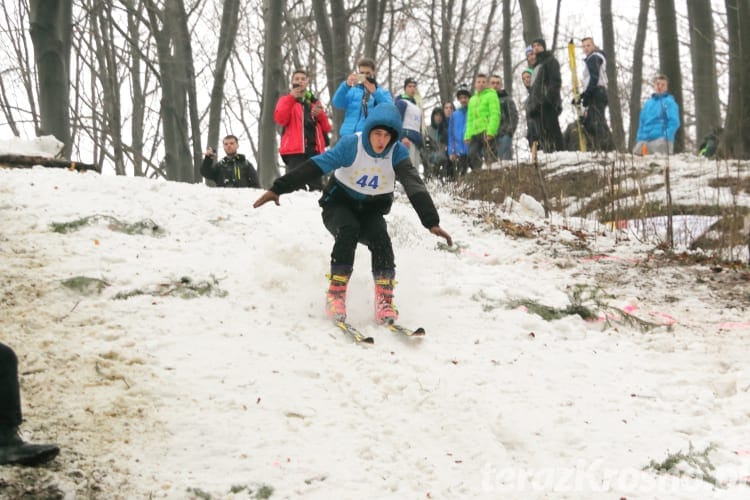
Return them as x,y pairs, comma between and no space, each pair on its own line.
703,57
227,36
532,25
736,139
669,60
613,91
635,93
178,162
51,25
375,14
137,94
107,74
268,169
332,29
506,49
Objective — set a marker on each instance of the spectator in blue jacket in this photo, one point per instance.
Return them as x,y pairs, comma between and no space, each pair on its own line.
357,95
458,150
659,121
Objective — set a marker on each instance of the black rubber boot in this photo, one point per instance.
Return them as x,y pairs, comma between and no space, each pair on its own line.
14,451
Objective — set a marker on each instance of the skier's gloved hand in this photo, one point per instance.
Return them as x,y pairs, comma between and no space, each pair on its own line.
576,101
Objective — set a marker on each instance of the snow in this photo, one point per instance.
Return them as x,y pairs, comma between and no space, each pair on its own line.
160,396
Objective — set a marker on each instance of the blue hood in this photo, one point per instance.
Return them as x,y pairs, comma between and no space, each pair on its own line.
383,115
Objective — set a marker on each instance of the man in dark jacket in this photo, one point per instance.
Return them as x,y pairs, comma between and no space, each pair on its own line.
594,96
13,450
544,99
233,170
508,120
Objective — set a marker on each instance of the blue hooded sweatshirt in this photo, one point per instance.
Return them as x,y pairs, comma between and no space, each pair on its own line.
660,118
363,179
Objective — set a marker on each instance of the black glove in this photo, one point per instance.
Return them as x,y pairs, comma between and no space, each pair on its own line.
576,101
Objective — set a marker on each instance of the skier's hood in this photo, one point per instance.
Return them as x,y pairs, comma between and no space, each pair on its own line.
384,115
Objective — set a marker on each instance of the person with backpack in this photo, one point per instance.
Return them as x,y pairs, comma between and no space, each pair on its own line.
594,96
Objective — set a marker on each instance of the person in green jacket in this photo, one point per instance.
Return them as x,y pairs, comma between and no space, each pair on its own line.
482,122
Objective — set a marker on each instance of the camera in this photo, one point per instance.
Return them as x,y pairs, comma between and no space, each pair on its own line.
361,77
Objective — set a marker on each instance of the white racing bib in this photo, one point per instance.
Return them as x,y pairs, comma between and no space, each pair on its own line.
368,175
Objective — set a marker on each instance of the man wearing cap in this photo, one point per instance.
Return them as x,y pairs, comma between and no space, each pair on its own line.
458,150
544,99
411,118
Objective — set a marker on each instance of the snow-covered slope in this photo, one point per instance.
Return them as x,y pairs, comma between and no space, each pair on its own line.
249,388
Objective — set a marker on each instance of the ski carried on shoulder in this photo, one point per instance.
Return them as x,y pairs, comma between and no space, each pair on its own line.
352,332
396,328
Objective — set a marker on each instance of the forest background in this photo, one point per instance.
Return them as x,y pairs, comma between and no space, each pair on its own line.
141,87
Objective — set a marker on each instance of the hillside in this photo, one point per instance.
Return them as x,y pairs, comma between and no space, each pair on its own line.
172,341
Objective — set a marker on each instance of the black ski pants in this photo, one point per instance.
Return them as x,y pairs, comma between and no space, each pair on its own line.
351,224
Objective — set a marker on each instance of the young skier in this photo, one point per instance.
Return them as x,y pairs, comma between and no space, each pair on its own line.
365,166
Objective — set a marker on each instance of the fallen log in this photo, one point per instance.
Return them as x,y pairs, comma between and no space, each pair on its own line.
24,161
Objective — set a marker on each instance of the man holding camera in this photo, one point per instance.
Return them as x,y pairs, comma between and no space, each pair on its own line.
358,95
233,170
305,126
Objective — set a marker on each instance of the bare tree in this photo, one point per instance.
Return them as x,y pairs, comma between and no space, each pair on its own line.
506,48
272,73
173,76
334,41
532,24
635,93
100,20
51,35
736,139
669,60
227,35
613,91
703,57
375,14
134,13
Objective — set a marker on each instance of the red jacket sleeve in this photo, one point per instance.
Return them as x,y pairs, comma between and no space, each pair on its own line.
283,112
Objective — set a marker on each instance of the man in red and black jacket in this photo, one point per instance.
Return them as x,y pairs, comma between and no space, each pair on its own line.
305,126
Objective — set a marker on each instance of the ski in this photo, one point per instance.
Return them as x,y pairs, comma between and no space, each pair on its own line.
576,96
351,331
396,328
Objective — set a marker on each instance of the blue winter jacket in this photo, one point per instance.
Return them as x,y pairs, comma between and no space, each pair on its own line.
344,154
660,117
350,100
456,130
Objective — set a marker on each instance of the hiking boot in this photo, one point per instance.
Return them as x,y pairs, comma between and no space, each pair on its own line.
385,310
336,296
13,449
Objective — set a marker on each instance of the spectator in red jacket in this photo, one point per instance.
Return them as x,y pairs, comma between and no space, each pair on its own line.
305,126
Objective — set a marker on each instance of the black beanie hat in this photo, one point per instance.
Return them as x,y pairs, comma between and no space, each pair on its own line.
540,41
